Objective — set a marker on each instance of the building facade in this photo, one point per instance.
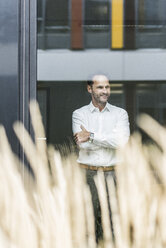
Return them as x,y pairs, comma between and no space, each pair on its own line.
49,48
125,39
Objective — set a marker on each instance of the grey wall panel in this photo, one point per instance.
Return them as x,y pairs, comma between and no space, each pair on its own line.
141,64
145,64
9,81
17,64
79,65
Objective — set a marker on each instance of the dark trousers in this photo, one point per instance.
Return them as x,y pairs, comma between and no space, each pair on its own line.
95,199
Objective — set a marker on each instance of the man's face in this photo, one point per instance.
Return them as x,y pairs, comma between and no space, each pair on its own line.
100,89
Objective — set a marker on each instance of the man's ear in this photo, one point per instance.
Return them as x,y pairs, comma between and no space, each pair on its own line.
89,88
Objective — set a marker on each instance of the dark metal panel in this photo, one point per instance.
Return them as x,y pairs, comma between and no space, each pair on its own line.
33,53
43,24
129,24
27,61
9,82
24,62
27,58
130,103
33,48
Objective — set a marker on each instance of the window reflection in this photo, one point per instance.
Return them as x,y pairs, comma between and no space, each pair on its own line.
58,100
97,24
151,99
57,13
53,24
151,24
96,12
55,17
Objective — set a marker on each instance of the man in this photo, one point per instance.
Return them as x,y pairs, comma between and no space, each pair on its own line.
99,129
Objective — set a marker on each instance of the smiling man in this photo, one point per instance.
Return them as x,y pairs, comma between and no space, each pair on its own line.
99,129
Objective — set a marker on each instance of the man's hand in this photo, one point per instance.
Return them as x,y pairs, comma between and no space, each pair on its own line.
82,136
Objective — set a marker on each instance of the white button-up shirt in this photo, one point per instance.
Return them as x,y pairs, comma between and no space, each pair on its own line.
110,128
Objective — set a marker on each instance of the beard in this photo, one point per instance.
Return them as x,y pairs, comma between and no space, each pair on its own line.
100,98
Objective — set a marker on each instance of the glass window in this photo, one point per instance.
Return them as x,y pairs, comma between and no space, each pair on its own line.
149,12
97,23
57,13
53,24
142,97
117,95
151,99
151,20
146,99
96,12
39,9
73,95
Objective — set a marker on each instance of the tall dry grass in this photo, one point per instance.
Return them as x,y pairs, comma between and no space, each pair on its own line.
53,208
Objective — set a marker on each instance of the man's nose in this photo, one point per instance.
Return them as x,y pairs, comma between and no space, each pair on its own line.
104,90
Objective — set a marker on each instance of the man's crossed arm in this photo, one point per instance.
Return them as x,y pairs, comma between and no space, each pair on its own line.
117,137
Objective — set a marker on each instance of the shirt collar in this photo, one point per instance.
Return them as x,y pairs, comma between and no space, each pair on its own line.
92,107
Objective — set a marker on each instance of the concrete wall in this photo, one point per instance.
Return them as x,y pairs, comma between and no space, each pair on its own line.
67,65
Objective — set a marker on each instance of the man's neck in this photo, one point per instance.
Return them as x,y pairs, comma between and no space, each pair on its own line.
100,106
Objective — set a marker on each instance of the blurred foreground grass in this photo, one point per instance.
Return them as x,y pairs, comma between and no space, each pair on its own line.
54,209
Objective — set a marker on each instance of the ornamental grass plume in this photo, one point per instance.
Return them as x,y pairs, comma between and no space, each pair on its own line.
52,207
